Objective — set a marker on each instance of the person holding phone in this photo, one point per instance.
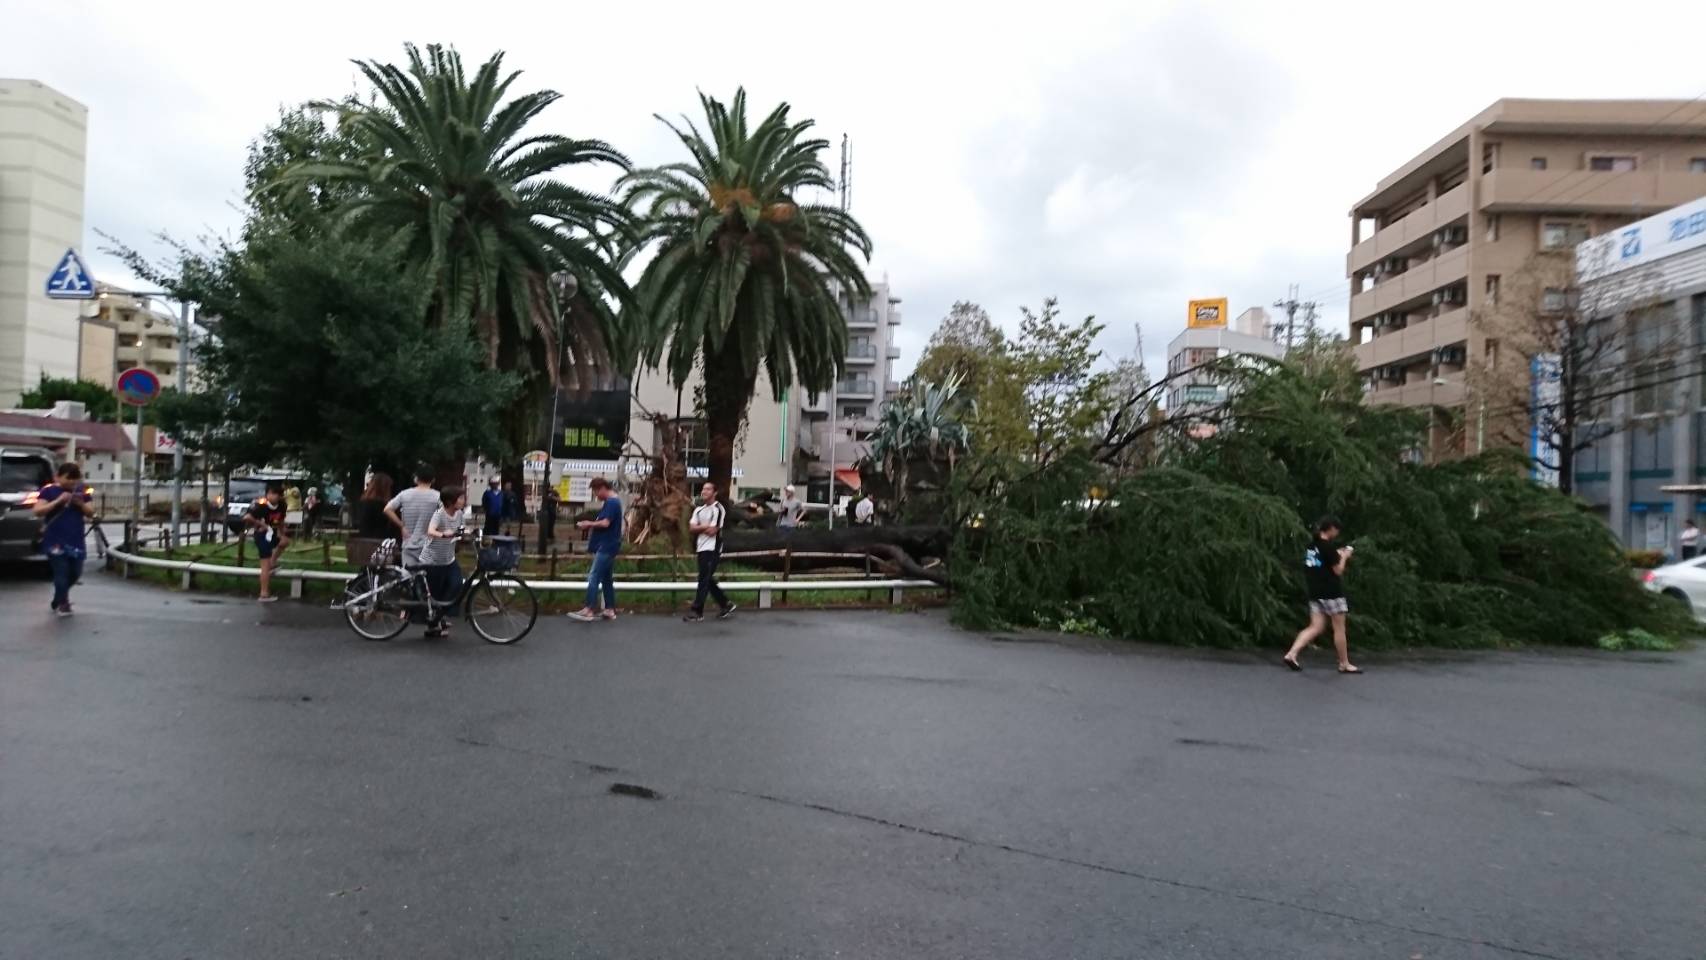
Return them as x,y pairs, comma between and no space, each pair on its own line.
63,504
266,521
1324,570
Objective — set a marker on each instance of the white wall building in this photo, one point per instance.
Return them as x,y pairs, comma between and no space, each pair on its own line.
43,135
1251,334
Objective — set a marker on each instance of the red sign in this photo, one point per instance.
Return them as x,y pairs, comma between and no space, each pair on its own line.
138,387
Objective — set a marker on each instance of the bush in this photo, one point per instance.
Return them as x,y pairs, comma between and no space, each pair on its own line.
1645,559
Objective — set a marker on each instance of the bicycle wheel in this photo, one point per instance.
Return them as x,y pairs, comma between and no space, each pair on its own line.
501,610
372,603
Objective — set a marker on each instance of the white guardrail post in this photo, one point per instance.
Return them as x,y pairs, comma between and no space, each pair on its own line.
765,589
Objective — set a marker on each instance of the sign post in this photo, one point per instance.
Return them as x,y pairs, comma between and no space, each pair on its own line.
137,387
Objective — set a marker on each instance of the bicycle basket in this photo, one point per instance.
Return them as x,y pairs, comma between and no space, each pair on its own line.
384,554
503,554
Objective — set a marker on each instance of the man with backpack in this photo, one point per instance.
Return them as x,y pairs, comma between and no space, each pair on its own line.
707,526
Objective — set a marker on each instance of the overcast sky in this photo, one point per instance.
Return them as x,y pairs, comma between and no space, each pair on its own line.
1122,160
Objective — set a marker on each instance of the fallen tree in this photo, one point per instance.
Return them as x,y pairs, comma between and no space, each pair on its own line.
915,552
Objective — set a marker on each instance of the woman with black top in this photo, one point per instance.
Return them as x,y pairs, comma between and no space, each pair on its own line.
370,521
1324,570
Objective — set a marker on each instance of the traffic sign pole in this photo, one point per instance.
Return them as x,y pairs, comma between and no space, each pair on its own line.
136,483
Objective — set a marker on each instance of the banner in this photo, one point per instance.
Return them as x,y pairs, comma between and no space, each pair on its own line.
1546,391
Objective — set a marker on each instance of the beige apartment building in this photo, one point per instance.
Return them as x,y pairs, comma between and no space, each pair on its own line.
43,136
1431,243
127,332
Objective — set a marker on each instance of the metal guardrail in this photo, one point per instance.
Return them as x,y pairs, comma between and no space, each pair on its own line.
766,589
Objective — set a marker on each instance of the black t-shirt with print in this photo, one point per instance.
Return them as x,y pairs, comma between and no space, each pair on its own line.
270,514
1318,563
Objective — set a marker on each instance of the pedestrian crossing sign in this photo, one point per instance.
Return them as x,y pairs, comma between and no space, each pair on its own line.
71,279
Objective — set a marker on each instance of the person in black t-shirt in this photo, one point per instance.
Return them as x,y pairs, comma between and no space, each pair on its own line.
265,520
1324,570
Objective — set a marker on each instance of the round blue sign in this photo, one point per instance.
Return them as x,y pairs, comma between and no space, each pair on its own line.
138,387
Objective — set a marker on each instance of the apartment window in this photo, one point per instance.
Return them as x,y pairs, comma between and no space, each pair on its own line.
1492,290
1697,165
1557,234
126,365
1492,227
1699,319
1489,157
1554,300
1614,163
128,339
1537,163
854,413
1649,331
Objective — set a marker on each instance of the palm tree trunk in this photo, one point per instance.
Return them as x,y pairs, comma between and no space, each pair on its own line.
728,390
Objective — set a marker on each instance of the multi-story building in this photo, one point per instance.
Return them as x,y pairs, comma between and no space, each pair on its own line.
1644,478
42,140
1430,244
788,441
1251,334
127,332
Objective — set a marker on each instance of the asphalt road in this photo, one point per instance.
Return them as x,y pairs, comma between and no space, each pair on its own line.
196,778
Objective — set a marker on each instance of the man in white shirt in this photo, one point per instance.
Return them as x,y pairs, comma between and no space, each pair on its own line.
788,515
707,525
1690,540
864,510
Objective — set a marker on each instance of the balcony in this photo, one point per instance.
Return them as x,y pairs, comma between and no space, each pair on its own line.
1634,192
894,318
1412,285
862,353
862,318
1414,340
894,352
856,390
1412,231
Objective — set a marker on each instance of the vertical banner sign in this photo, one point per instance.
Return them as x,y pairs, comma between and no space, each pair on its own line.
1546,391
1206,313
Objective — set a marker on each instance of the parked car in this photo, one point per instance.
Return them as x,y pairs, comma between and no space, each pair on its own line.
23,472
1684,582
244,492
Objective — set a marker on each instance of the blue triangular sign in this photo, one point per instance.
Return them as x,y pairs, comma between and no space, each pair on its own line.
70,280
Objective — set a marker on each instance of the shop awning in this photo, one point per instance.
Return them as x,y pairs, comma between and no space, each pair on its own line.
848,477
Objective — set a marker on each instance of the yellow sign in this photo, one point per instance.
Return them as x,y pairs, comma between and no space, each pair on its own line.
1206,313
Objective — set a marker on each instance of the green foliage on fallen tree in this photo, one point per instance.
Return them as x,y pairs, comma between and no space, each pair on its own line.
1206,547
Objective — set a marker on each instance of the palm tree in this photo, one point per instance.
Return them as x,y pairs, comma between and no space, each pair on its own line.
745,274
521,257
923,426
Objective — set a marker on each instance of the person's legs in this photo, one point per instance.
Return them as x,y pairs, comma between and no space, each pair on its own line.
266,573
74,573
594,577
609,583
707,569
1306,636
1340,644
716,588
60,564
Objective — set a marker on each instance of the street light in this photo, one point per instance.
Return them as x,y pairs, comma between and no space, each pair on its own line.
183,388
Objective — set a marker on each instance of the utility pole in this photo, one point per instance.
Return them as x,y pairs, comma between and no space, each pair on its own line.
1292,306
845,187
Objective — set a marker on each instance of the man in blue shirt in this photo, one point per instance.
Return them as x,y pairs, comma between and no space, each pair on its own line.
492,502
64,503
604,543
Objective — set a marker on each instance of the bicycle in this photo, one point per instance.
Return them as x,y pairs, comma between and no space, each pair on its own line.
499,605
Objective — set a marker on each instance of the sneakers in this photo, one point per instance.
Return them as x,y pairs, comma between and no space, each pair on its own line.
582,615
693,618
63,610
266,599
728,612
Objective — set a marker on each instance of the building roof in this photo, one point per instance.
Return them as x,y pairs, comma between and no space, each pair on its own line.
44,431
1573,117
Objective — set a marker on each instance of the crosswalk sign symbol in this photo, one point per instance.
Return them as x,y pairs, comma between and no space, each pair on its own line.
71,279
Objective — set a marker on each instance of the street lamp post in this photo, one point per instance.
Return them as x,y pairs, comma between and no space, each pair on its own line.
183,387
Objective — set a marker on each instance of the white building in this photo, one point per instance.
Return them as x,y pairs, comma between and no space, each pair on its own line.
1251,334
43,135
788,441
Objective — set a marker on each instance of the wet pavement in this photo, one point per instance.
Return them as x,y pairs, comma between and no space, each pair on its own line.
186,777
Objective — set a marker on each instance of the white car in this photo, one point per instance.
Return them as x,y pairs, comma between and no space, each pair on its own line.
1685,581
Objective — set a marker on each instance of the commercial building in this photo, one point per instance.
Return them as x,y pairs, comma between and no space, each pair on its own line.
1653,273
1251,334
43,134
1430,244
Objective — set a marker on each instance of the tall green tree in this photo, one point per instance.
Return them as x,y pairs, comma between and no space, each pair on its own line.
746,274
99,402
445,163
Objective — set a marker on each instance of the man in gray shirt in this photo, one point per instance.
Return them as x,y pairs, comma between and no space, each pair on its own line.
411,511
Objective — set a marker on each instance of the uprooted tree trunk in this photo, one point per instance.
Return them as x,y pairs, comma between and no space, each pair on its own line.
900,551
